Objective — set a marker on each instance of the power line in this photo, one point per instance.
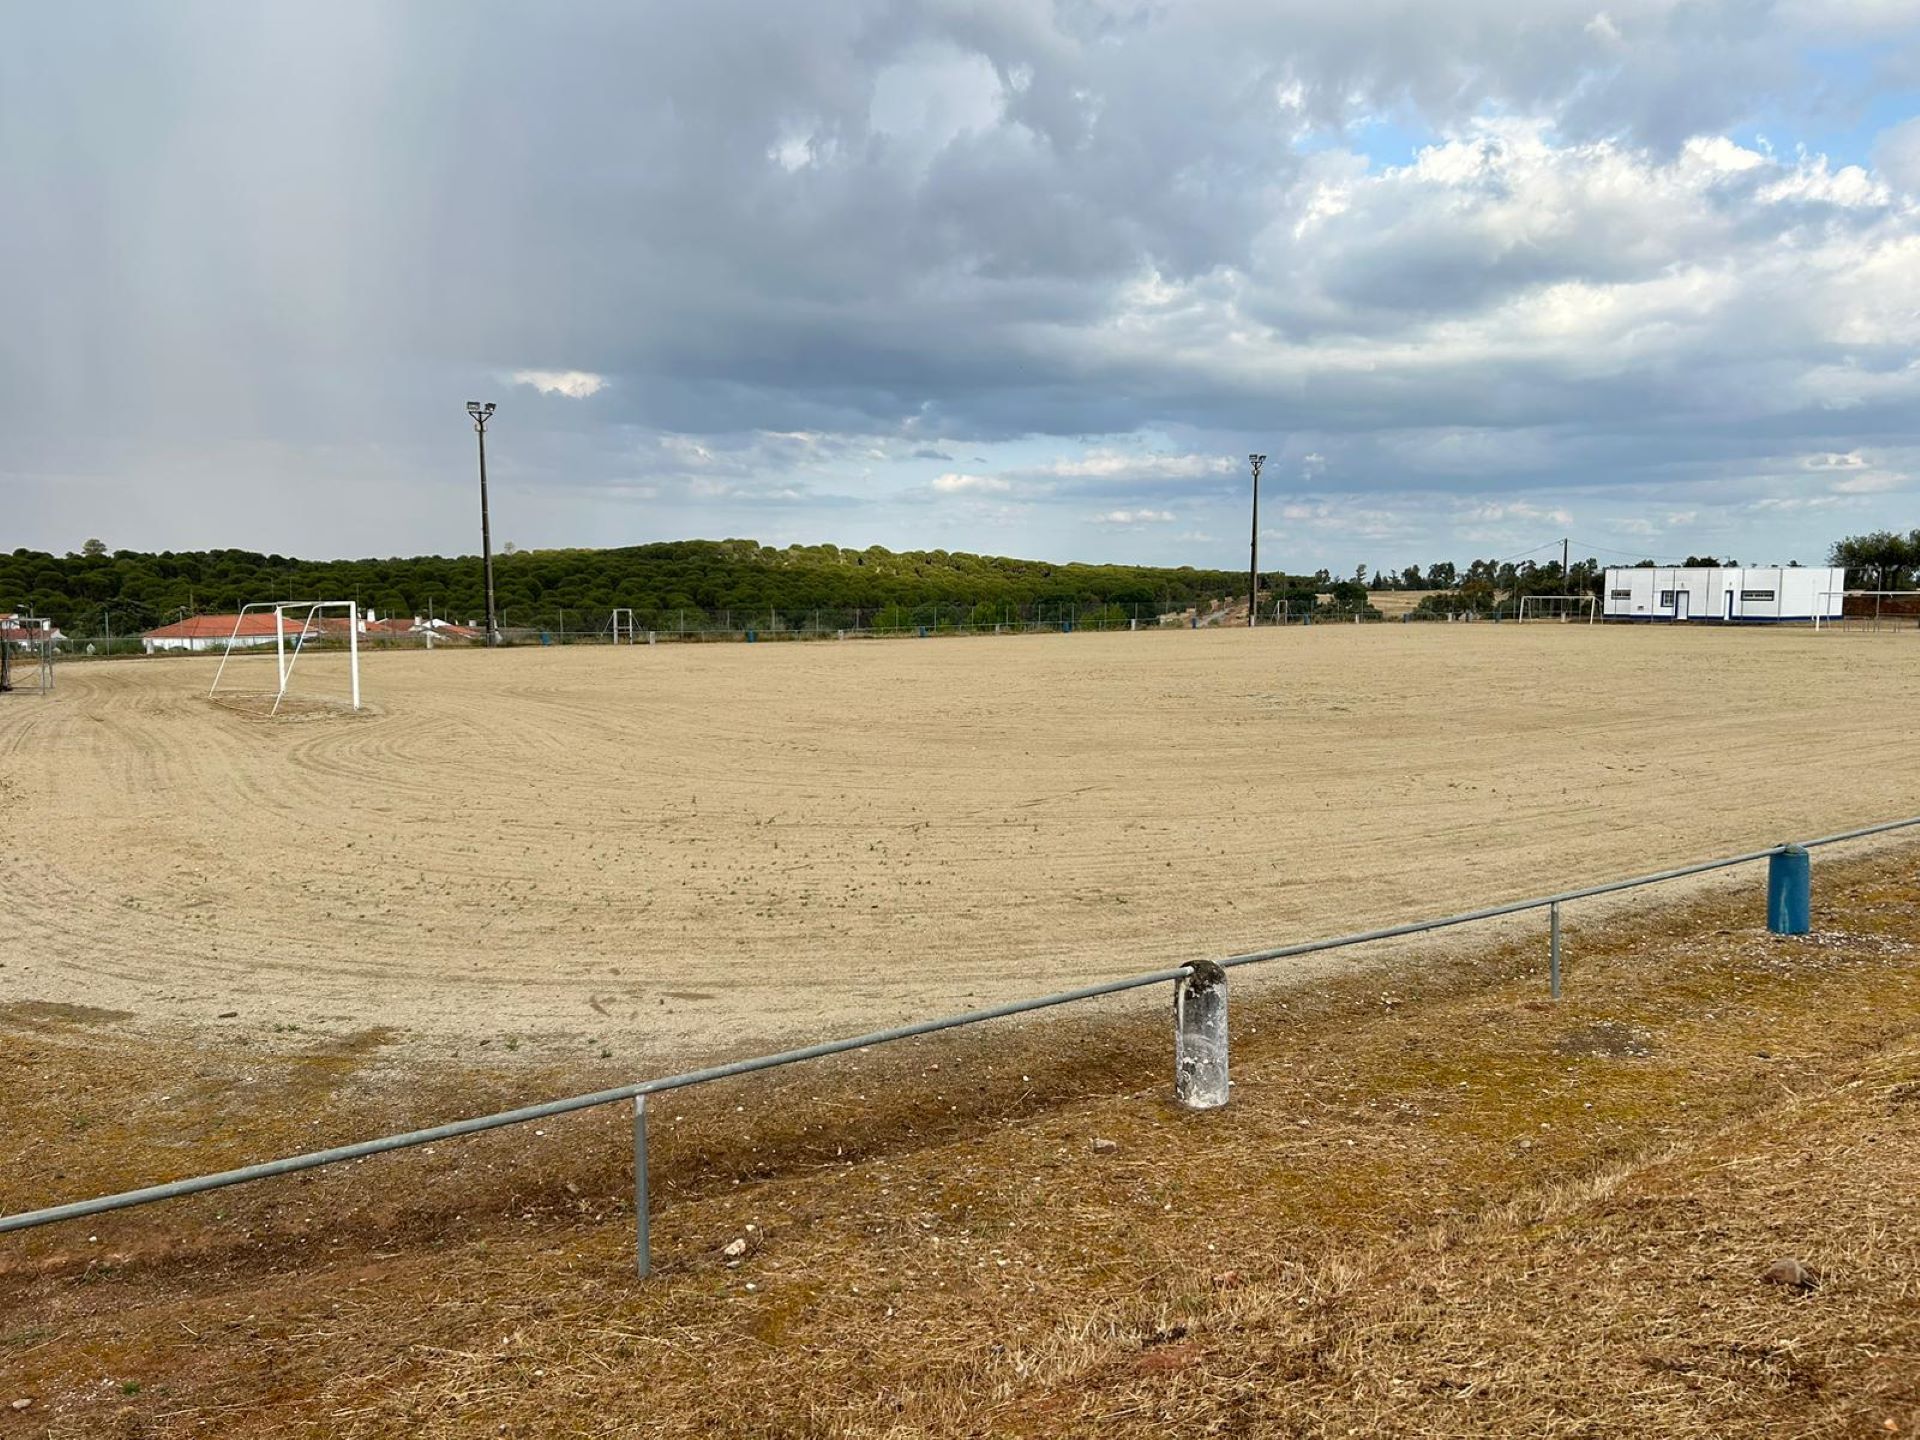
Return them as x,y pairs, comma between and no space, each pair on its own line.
1635,554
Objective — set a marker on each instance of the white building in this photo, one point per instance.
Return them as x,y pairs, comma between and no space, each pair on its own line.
1750,594
212,632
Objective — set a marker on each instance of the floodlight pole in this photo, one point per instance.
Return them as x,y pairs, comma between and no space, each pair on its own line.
1253,547
481,414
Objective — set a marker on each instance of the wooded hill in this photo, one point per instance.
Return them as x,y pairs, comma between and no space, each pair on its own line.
701,579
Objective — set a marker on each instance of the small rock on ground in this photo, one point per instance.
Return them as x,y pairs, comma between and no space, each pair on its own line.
1790,1272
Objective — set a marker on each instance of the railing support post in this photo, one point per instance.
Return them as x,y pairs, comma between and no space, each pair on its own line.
1553,950
1790,891
642,1248
1200,1037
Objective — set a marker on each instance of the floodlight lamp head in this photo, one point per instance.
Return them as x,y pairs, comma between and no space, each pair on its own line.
473,407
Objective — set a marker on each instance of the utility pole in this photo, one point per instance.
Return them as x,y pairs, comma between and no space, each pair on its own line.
481,414
1566,572
1253,547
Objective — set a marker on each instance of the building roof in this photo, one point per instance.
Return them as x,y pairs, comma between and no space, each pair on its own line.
219,627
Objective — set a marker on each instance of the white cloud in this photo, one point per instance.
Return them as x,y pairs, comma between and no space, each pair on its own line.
1104,464
574,384
1135,517
1872,482
1896,154
1490,512
957,484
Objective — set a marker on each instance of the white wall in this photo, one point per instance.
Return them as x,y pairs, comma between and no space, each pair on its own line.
1742,593
198,643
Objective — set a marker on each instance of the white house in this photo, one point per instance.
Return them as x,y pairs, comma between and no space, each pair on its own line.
1749,594
212,632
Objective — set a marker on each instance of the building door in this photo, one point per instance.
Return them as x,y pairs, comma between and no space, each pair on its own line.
1681,599
1729,602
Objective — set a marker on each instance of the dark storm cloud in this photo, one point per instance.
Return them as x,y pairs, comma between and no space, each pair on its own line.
291,240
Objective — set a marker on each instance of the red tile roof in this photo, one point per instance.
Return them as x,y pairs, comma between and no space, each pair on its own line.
219,627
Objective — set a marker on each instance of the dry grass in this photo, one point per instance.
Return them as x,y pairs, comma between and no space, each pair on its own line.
1439,1204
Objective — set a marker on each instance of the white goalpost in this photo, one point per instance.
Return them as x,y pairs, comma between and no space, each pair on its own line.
1878,609
284,659
622,618
1567,609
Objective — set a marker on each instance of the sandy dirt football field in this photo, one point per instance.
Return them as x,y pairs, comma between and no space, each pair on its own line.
679,850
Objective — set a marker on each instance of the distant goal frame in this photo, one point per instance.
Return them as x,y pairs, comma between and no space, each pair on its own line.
1590,602
284,661
1820,617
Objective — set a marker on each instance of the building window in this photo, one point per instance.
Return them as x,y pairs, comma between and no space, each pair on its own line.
1623,594
1666,598
1756,594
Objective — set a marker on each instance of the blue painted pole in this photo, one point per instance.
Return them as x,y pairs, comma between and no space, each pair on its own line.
1790,891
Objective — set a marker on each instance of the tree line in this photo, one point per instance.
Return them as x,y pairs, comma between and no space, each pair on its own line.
94,590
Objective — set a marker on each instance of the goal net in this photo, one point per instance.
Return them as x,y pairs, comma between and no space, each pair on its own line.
291,657
1567,609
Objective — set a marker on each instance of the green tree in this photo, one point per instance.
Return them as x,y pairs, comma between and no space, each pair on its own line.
1882,554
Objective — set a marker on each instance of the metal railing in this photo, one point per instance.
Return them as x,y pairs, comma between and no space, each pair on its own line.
1198,975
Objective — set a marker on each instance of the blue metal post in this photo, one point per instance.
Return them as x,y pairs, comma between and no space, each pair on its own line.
1790,891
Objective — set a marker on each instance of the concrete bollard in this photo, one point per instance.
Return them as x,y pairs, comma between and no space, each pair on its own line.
642,1202
1790,891
653,638
1200,1037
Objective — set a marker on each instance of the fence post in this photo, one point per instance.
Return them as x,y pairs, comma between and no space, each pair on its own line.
1790,891
642,1248
1553,950
1200,1037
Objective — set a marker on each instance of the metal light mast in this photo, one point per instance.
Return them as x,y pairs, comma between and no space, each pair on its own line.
1253,547
481,414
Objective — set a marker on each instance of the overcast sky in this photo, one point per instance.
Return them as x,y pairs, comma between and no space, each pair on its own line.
1004,276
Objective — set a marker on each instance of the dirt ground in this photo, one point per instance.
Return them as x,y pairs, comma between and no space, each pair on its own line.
658,853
